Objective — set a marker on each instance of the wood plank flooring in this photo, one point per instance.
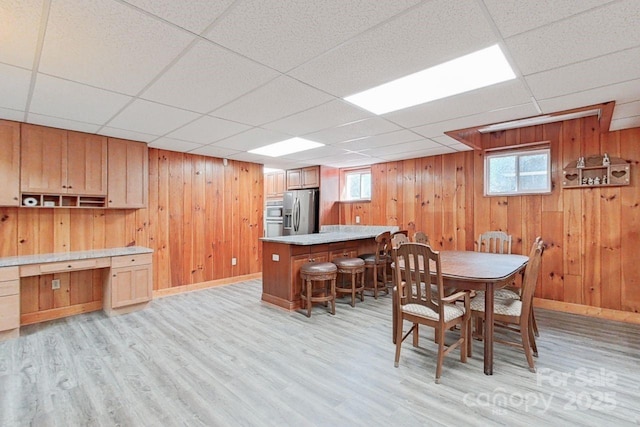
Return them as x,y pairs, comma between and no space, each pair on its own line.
219,357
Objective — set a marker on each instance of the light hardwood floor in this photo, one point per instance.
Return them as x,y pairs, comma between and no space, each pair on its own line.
219,357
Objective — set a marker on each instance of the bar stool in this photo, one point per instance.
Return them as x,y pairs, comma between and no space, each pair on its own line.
377,262
318,272
352,267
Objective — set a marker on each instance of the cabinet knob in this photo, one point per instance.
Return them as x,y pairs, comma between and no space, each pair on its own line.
64,186
70,186
114,275
68,266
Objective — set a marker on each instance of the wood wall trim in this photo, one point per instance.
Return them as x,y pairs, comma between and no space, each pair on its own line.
586,310
160,293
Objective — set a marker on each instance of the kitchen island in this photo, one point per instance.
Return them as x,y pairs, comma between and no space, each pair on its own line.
283,256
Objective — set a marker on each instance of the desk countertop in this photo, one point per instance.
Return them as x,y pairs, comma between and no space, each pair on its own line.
71,256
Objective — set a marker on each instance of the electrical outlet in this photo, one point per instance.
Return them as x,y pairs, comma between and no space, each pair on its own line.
234,261
55,284
275,257
357,220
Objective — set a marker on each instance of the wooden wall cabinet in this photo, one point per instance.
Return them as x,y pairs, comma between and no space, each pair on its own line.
9,163
128,173
274,185
9,302
55,161
308,177
130,282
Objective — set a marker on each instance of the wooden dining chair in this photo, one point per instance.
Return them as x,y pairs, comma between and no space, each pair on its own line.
497,242
398,239
515,314
377,263
421,237
420,303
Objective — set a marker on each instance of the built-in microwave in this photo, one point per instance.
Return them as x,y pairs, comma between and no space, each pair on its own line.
274,210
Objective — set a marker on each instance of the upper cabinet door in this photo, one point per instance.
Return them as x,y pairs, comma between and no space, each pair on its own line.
87,161
43,166
9,163
128,166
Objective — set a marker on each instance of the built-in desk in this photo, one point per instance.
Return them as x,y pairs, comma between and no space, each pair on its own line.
127,279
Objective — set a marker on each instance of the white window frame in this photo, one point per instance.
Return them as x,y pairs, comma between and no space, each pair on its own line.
357,171
517,154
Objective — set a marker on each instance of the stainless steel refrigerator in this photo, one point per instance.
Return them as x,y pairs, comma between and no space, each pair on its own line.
300,212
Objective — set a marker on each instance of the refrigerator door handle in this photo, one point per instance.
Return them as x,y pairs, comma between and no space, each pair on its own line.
296,214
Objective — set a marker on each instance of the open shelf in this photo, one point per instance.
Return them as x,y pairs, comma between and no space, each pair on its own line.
31,200
595,174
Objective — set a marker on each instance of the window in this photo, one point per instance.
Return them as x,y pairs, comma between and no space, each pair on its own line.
517,172
357,184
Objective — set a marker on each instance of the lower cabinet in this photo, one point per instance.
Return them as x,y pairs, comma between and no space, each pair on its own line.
9,302
130,282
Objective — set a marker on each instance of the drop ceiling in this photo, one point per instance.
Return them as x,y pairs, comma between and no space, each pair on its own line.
219,78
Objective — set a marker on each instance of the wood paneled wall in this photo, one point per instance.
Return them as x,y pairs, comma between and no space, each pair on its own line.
200,215
592,234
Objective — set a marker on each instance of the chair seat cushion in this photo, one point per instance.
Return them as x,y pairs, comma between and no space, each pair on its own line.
348,262
319,267
371,258
450,311
502,293
504,306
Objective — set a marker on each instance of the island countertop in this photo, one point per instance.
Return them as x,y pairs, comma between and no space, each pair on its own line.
332,234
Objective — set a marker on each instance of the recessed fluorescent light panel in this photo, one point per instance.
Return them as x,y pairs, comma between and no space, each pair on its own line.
285,147
483,68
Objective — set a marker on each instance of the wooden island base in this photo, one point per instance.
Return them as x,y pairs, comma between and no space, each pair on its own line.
281,264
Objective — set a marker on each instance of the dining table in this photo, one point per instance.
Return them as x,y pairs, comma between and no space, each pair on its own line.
477,271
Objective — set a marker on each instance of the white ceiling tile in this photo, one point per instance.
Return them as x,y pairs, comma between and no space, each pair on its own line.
485,100
207,77
14,89
447,141
278,98
149,117
629,109
126,134
382,140
333,113
285,34
355,130
620,92
57,122
417,154
249,157
342,162
60,98
439,128
208,129
9,114
517,16
174,145
108,45
214,151
193,15
433,33
605,70
588,35
19,27
625,123
422,145
316,153
253,138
